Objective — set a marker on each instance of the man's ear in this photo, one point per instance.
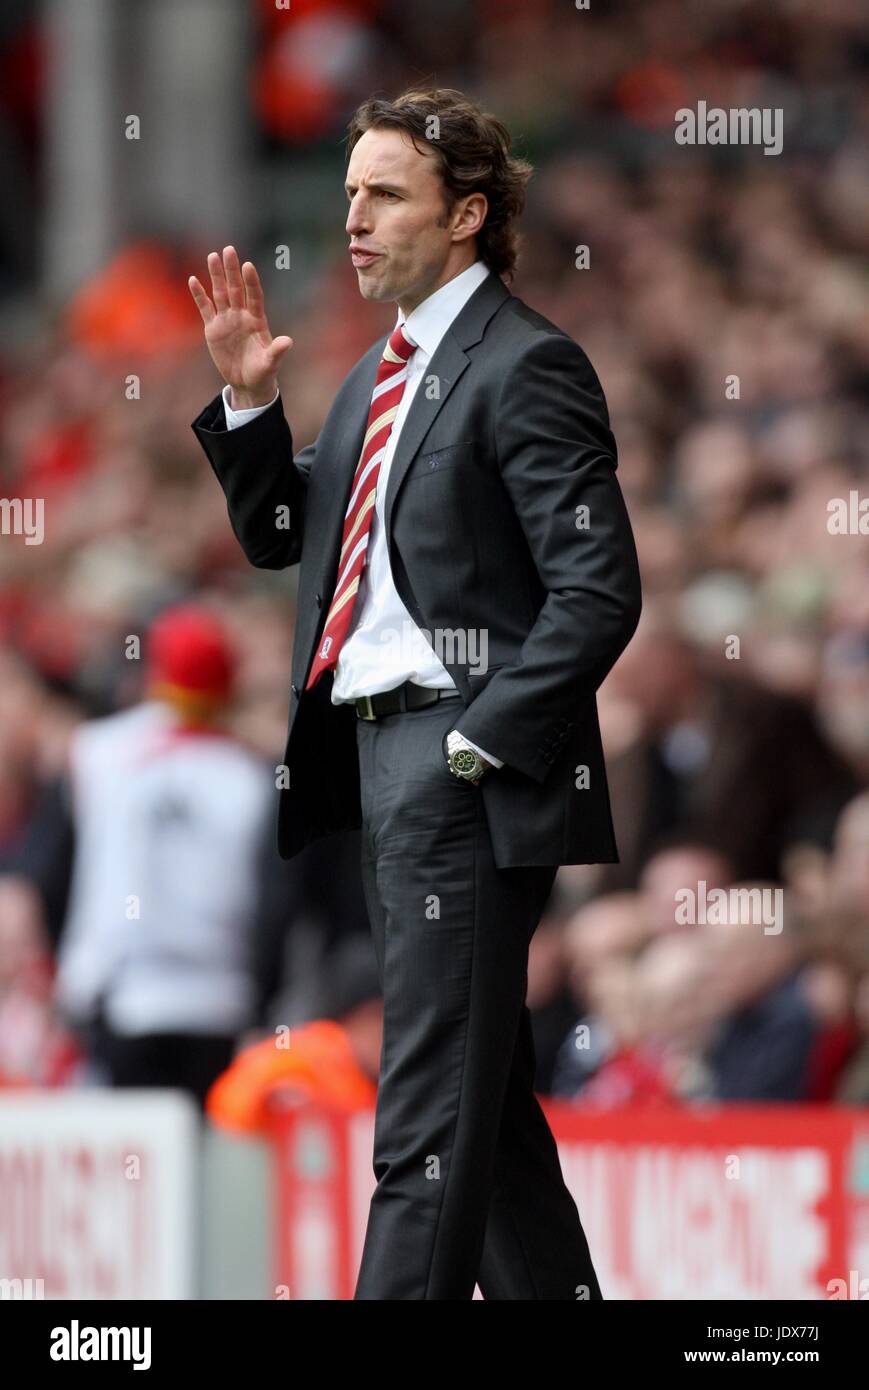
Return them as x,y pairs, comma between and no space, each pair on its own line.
472,214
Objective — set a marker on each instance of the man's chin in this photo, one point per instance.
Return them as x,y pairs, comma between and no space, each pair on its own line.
372,286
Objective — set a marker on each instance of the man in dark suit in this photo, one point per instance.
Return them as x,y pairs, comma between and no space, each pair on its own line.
467,579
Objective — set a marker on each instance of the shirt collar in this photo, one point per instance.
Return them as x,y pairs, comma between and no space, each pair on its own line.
429,321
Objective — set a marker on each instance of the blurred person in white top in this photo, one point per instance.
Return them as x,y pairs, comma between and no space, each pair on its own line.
170,814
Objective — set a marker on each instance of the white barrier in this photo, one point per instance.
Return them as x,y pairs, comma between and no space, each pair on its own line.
98,1195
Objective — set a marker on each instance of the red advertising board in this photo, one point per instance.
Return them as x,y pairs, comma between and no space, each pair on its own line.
731,1202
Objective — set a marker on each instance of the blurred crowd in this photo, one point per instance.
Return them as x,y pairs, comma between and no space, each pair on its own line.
726,309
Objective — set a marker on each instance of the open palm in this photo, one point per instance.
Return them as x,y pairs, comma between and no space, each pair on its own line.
236,329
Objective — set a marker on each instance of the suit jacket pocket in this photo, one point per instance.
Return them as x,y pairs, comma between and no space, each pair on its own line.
439,460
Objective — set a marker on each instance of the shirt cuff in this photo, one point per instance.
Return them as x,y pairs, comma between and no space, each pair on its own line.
490,758
234,418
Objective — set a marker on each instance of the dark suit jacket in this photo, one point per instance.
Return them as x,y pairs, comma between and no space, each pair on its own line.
508,434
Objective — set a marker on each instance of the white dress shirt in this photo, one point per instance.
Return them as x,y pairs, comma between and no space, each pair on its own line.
384,647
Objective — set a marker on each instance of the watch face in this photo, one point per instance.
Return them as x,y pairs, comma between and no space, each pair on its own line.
464,761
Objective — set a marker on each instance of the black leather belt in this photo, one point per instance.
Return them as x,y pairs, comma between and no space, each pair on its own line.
404,697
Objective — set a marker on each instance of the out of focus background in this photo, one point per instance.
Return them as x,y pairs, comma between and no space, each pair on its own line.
150,938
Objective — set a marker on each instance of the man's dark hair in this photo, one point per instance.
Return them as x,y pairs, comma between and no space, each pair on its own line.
473,148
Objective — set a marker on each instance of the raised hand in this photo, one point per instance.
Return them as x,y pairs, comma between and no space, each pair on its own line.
237,331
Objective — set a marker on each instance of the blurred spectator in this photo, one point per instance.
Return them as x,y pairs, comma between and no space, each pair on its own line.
834,906
832,994
601,942
549,999
169,814
657,1054
745,768
719,1010
35,1050
853,1085
683,864
764,1040
35,827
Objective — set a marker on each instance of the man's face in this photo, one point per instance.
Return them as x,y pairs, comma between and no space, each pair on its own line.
403,243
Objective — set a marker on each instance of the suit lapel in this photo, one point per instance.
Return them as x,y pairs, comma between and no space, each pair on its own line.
444,369
447,365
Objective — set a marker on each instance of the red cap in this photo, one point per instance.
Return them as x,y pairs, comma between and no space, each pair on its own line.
189,654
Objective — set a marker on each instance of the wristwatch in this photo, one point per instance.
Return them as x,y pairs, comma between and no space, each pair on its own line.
463,760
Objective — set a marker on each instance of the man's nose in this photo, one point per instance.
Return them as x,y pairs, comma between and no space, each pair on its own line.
359,217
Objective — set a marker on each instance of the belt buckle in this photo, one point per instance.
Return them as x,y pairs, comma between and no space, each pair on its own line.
369,705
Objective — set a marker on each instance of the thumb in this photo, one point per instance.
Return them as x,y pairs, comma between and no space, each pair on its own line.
278,347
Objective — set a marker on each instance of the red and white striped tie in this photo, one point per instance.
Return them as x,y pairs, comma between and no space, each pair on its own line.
385,400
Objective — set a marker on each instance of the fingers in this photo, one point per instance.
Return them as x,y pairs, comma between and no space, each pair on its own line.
218,282
203,303
234,282
234,287
254,290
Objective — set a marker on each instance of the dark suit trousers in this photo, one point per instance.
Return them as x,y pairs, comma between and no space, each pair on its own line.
469,1185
